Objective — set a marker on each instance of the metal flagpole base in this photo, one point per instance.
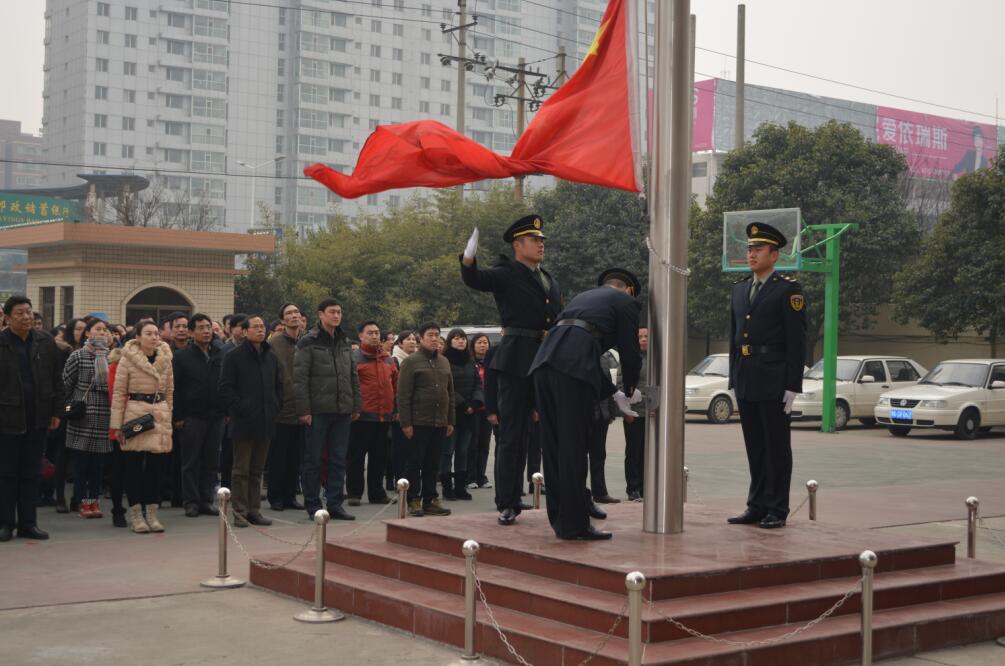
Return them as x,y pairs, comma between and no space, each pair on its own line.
316,616
222,582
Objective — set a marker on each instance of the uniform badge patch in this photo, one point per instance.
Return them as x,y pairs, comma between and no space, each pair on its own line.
753,229
797,302
537,223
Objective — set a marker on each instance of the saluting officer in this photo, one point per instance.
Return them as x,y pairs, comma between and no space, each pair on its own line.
529,300
767,350
569,380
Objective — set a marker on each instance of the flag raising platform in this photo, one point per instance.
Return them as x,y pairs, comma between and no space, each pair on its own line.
557,600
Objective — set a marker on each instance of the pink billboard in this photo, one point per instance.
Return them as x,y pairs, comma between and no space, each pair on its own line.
936,147
703,119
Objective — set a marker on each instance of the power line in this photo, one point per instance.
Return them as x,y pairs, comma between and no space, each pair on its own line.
188,172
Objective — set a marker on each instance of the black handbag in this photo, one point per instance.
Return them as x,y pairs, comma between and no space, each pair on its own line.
76,410
137,426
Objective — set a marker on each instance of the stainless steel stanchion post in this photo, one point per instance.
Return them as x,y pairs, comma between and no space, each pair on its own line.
319,612
973,504
538,480
868,561
222,579
402,498
470,550
811,488
687,479
635,582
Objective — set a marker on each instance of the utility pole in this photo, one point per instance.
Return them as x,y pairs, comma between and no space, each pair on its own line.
521,87
741,39
562,75
462,66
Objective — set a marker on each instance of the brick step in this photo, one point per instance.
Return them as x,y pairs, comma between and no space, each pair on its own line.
677,566
590,608
438,615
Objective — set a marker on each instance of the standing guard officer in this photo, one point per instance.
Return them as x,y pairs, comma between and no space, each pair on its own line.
767,350
528,299
569,380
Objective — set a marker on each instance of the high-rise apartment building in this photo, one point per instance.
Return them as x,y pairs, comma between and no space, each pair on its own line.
224,103
19,151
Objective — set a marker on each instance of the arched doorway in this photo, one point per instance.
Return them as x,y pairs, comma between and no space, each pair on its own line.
156,303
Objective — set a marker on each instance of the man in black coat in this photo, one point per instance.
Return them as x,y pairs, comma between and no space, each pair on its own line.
767,350
31,402
569,380
198,415
528,299
252,389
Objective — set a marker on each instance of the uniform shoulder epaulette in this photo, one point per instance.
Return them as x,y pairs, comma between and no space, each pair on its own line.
789,278
743,279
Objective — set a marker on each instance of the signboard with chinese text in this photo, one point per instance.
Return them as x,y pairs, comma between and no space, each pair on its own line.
704,115
21,209
935,147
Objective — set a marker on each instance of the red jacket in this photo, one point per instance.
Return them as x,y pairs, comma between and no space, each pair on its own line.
378,382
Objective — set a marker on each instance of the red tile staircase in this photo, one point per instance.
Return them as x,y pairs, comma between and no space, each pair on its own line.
556,600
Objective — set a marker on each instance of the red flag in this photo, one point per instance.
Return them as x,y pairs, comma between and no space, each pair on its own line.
585,132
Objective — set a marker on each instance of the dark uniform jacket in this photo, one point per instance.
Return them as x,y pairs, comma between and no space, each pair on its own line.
197,382
46,363
251,387
775,328
522,303
576,352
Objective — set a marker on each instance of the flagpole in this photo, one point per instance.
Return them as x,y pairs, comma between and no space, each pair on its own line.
663,511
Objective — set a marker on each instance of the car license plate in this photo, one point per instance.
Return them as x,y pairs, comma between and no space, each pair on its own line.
902,414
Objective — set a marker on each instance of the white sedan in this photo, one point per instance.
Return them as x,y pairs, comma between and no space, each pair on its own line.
860,382
706,389
966,396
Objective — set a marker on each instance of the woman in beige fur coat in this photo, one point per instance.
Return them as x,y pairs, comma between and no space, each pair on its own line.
144,384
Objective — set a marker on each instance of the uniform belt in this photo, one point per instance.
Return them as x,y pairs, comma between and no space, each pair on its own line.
579,323
152,398
750,350
524,332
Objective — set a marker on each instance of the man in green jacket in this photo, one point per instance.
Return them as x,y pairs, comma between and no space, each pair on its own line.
426,414
287,450
328,401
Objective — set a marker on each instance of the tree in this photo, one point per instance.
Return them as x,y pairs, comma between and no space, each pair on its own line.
834,176
956,284
159,206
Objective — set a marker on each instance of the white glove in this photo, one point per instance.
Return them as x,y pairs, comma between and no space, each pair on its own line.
636,397
623,404
788,399
472,247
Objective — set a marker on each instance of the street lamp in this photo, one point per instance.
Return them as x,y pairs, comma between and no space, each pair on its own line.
254,170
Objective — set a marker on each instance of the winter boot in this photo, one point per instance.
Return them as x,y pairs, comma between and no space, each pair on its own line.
139,523
96,509
460,489
447,481
155,525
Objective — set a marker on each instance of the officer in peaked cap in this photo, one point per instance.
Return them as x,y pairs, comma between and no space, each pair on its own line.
529,300
767,350
569,380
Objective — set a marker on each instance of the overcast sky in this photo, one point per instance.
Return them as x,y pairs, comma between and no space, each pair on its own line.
950,54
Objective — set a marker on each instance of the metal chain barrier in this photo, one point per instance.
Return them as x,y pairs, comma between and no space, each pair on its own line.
792,514
516,655
369,521
266,565
764,641
686,272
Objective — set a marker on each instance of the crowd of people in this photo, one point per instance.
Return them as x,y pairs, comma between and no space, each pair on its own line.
169,411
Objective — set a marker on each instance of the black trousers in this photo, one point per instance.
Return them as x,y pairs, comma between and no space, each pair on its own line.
635,454
59,456
20,473
515,401
566,408
200,459
367,449
768,440
142,476
283,465
401,454
426,446
478,461
598,457
226,460
115,469
533,451
171,473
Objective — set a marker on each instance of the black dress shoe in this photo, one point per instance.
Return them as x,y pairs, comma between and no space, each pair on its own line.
771,522
338,513
119,518
748,517
208,510
5,533
525,507
277,506
192,511
597,513
507,517
634,496
256,518
293,504
593,534
32,532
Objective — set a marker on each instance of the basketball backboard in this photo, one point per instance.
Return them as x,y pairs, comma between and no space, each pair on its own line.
734,237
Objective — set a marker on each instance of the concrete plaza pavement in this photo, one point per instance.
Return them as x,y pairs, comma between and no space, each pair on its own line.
94,592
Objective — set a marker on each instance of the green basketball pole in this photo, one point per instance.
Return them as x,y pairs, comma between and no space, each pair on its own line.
829,263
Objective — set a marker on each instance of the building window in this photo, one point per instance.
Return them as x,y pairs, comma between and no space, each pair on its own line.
396,78
699,170
129,68
424,82
127,152
425,59
129,96
445,85
398,54
100,148
128,124
100,92
279,117
423,107
47,296
175,47
101,64
281,67
374,26
130,41
374,51
104,9
399,30
132,14
374,100
371,200
396,103
66,298
375,75
176,20
100,120
427,35
444,109
103,37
